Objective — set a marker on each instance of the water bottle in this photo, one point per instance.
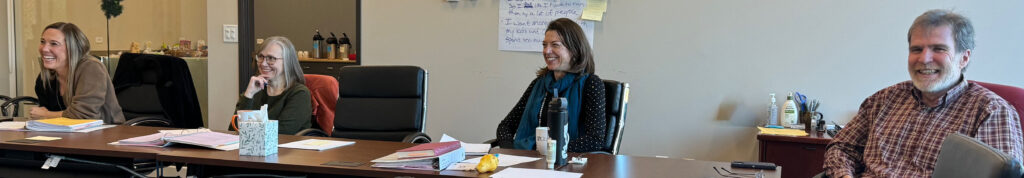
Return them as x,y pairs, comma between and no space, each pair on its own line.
558,122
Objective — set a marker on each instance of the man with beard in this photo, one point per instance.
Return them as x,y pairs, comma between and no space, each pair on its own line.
898,130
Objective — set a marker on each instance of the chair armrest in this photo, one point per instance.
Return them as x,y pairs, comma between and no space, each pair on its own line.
418,137
600,152
149,121
15,102
312,132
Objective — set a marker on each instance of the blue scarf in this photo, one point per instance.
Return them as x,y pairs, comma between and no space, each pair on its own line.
570,87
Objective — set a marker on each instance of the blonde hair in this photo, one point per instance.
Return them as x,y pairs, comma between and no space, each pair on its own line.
292,69
77,45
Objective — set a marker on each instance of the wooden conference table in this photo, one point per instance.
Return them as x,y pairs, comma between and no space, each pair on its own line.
363,151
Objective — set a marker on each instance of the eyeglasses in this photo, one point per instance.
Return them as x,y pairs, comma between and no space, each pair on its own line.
270,59
759,174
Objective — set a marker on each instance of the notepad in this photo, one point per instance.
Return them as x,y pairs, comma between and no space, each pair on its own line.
315,144
43,138
783,132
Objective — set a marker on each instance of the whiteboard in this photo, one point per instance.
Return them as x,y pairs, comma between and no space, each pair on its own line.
522,23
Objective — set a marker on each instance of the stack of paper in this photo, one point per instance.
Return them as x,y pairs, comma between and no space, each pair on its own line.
783,132
156,140
12,125
215,140
315,144
62,124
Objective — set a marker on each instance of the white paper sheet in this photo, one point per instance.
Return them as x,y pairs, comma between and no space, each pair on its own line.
315,144
462,167
522,23
505,160
520,172
472,149
185,131
94,128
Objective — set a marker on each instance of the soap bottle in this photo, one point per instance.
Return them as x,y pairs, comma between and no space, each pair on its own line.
790,114
773,111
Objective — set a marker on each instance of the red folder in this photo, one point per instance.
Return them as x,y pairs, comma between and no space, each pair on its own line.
428,150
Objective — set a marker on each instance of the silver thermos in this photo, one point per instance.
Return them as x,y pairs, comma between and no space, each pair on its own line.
318,44
344,46
332,45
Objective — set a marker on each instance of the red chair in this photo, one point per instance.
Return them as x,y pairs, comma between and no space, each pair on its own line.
324,90
1012,95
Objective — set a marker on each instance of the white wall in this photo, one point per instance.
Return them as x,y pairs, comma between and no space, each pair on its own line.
223,64
160,21
6,74
700,70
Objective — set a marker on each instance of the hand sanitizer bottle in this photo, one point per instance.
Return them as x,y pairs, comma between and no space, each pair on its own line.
790,114
773,111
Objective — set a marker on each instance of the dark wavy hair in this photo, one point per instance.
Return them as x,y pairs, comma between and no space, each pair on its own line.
576,41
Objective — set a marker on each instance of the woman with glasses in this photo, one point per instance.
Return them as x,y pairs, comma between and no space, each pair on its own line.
72,84
280,85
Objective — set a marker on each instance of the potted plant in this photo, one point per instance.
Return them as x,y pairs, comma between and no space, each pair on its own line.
111,8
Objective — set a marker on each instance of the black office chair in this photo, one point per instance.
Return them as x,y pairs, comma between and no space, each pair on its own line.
156,90
11,107
617,98
382,103
963,156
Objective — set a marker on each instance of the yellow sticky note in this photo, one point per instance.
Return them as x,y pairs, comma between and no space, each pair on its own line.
316,143
43,138
595,10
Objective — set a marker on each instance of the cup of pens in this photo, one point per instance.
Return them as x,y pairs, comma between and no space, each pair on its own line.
811,115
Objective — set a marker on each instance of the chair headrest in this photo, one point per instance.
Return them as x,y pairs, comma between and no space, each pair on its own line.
382,81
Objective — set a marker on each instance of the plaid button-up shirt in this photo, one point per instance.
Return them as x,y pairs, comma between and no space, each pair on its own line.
895,135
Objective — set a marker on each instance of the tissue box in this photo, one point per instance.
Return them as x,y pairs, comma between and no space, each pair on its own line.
257,138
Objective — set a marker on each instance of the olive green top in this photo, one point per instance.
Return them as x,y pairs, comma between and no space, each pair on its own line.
291,109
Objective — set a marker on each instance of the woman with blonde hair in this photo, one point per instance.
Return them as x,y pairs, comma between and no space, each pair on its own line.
280,85
72,84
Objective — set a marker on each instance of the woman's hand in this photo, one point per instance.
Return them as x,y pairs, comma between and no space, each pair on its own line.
42,113
256,83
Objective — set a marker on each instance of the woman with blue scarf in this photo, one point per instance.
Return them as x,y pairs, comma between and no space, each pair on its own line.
570,72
